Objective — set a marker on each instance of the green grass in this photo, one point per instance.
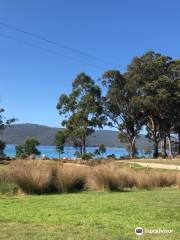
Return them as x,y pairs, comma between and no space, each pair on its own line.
90,215
8,188
161,161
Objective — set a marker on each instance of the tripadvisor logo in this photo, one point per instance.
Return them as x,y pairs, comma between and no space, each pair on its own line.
139,231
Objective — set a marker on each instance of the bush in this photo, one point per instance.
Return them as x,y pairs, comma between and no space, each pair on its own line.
113,156
87,156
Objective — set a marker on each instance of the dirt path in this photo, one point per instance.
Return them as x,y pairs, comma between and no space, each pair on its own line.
158,165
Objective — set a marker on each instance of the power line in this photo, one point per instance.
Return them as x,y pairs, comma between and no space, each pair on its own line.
48,50
55,43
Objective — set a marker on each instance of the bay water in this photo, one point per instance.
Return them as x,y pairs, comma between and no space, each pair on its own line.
69,151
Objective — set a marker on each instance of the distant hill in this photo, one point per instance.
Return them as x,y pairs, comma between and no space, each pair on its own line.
16,134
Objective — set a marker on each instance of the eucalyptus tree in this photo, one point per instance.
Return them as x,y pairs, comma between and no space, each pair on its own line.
3,124
122,106
159,94
60,139
3,121
175,72
28,148
82,110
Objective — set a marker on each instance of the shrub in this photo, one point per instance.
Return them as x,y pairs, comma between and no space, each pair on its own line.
113,156
87,156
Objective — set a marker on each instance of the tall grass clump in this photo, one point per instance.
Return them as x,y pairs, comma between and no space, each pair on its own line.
70,178
37,177
111,178
6,185
103,177
32,176
178,180
153,178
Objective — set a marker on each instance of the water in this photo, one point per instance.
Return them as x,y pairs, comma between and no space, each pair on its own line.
50,151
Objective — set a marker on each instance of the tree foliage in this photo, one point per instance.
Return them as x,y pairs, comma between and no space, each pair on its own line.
60,139
158,78
3,124
121,106
28,148
101,150
146,95
82,110
2,148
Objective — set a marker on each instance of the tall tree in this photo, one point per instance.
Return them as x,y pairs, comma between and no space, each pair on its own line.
3,124
60,139
82,110
158,89
175,73
152,71
30,146
121,106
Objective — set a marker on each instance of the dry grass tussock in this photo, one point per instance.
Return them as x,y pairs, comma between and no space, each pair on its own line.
32,176
70,178
112,178
36,176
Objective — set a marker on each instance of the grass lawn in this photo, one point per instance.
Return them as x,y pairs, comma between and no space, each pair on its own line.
161,161
90,215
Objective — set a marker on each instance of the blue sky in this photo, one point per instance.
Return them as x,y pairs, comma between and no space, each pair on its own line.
32,79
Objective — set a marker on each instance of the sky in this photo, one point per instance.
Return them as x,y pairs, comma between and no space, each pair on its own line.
34,73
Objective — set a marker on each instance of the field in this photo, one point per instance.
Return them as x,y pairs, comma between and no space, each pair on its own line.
175,161
110,213
90,215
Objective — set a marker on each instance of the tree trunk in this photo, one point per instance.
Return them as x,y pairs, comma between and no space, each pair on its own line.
153,130
161,146
83,144
178,152
81,151
156,151
170,146
164,147
133,147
